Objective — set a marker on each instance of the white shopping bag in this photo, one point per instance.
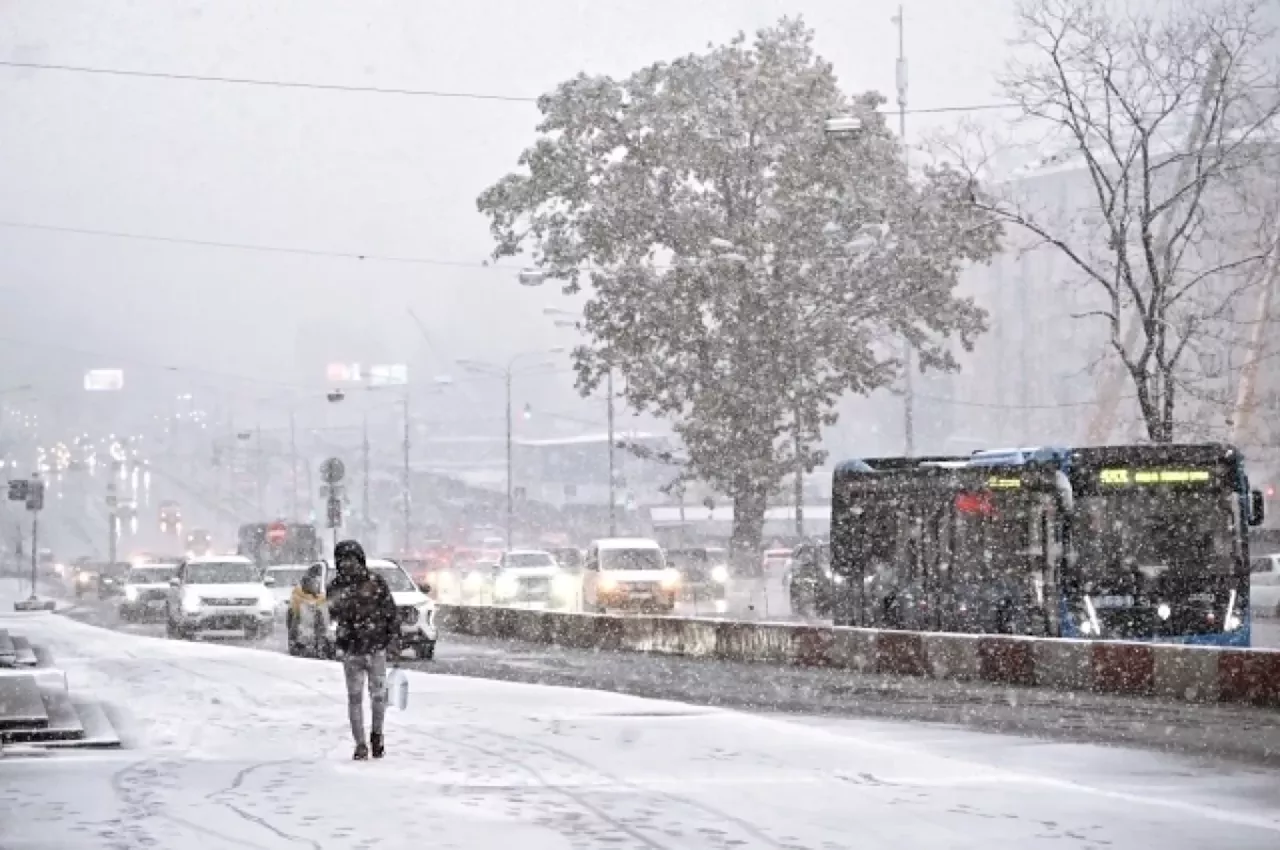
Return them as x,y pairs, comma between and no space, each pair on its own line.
398,688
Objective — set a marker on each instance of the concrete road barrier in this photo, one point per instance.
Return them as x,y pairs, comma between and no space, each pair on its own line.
1184,673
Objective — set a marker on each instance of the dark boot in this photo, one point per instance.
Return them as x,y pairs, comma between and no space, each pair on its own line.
362,752
375,740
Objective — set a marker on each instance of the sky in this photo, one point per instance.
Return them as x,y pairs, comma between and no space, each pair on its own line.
329,171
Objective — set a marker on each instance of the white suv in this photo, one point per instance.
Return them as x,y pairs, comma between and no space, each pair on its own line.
532,576
219,596
417,610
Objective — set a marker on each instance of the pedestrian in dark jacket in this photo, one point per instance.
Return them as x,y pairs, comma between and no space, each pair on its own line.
361,605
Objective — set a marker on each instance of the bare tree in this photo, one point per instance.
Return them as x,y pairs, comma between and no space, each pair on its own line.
1169,118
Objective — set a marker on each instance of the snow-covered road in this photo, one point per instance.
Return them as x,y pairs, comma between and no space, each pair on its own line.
232,747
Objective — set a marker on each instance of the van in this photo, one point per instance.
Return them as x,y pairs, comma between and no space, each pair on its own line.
628,572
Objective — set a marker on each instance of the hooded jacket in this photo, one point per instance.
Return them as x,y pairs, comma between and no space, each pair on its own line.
360,602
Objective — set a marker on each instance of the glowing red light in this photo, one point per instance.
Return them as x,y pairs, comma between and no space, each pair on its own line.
979,504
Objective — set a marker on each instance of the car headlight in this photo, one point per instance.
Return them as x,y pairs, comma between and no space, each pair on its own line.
670,578
563,582
83,578
191,604
474,579
720,573
267,605
506,585
836,578
131,593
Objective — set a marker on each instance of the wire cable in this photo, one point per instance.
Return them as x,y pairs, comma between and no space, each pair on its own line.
251,246
363,89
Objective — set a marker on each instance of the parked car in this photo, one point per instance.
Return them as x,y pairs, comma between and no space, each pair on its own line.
219,596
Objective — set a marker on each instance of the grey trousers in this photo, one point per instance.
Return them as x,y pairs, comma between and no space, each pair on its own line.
356,668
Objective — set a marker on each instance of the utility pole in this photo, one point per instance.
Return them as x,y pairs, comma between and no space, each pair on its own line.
364,466
908,360
262,470
613,478
511,505
293,461
113,528
406,494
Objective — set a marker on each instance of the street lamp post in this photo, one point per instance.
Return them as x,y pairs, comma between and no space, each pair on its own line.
507,374
571,320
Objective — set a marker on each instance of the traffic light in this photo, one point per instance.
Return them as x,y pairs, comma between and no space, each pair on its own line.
35,496
18,490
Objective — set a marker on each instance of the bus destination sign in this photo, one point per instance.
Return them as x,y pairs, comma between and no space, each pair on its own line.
1122,477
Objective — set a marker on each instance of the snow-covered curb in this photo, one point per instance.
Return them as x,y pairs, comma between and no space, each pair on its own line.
1184,673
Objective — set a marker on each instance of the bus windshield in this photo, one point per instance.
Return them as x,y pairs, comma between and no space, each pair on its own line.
1186,531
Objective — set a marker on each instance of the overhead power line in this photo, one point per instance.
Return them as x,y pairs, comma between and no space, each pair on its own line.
251,246
360,89
264,83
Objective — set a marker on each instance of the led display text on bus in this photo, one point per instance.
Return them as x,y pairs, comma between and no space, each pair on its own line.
1153,476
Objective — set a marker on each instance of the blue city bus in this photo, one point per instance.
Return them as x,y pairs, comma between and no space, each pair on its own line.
1117,542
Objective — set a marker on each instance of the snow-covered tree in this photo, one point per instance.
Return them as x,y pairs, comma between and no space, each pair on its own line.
1168,111
744,269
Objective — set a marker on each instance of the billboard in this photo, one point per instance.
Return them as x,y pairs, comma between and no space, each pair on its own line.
104,380
344,373
388,375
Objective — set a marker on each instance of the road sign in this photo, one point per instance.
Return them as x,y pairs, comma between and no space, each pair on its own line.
335,513
332,471
277,533
19,489
35,496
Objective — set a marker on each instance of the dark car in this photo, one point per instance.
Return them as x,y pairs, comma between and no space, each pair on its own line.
810,582
704,571
199,543
111,579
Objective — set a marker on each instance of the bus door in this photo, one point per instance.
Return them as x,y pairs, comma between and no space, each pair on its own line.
1001,548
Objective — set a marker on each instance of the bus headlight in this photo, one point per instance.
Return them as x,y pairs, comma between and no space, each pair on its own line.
670,579
720,573
1232,621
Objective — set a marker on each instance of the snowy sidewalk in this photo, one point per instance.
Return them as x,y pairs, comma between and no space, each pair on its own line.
238,748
